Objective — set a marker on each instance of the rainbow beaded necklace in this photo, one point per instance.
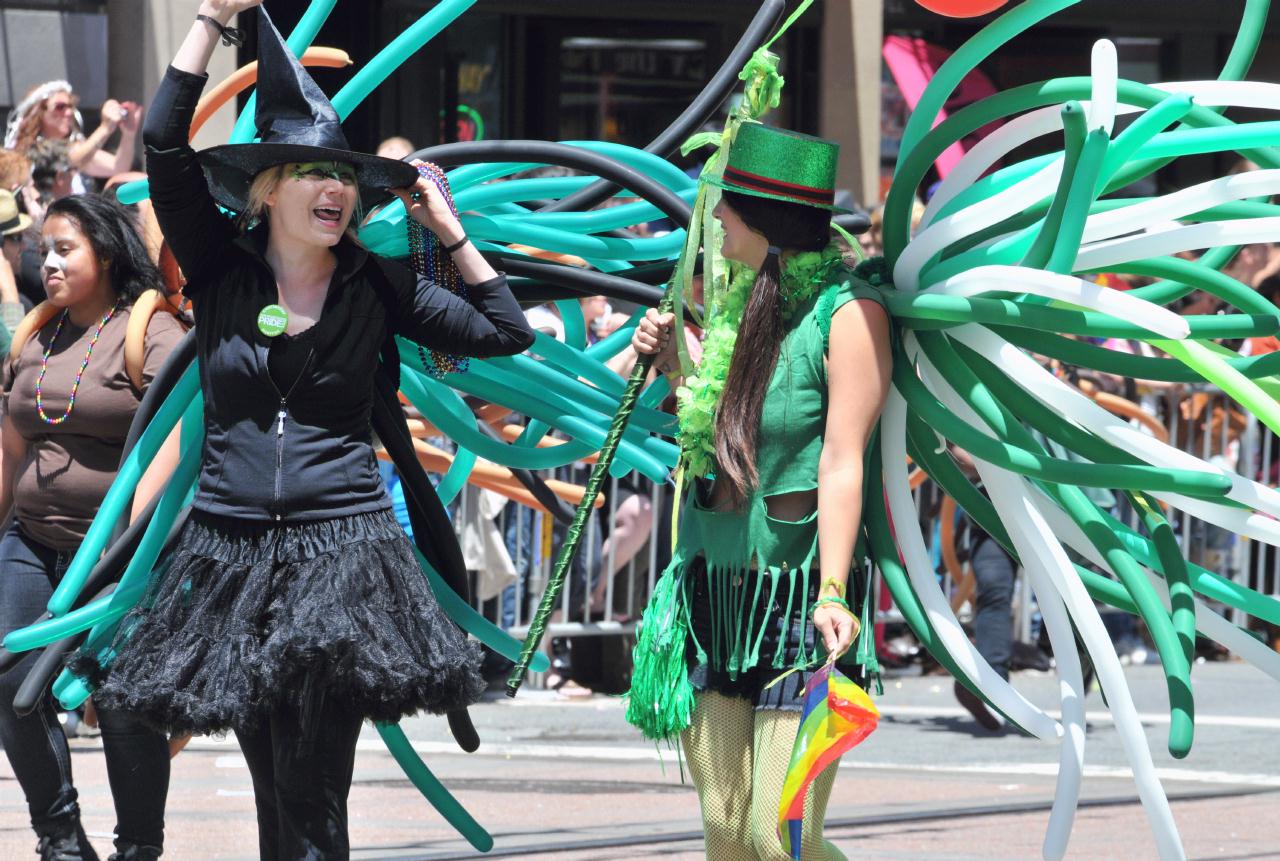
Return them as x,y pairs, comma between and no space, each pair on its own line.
75,387
429,259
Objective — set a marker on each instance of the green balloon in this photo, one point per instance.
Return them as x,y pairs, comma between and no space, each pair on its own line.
432,789
1084,512
1074,133
1086,355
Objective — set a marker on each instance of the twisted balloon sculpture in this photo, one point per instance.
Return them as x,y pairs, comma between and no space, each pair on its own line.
999,270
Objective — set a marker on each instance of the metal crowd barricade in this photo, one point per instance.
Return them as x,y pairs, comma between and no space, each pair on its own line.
533,550
1204,422
1260,460
1213,427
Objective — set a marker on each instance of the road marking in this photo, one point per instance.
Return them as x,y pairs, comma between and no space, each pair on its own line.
1148,718
629,753
1050,769
646,753
543,699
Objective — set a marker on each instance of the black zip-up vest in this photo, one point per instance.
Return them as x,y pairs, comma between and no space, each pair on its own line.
304,453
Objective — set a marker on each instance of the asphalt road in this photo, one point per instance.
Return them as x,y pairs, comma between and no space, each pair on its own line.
570,780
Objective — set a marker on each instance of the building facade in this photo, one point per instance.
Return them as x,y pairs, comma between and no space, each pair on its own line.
573,69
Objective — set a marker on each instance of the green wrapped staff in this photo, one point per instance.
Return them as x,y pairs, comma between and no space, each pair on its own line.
573,536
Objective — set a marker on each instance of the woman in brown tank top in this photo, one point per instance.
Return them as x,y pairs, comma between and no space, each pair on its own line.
68,405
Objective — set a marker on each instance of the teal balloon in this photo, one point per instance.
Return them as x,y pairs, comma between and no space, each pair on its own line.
432,789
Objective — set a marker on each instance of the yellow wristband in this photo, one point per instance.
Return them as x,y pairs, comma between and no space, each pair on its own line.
838,584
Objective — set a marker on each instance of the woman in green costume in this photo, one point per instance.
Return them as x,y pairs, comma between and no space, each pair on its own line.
774,423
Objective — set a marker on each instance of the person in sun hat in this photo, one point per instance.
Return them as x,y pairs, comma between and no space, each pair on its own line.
13,224
293,607
774,422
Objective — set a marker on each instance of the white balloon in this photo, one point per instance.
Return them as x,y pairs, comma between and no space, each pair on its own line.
1239,94
916,558
1217,628
1012,496
1246,523
1033,550
1066,288
1181,203
1104,72
1244,231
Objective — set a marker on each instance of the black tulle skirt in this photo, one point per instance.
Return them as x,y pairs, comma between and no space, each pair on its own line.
247,617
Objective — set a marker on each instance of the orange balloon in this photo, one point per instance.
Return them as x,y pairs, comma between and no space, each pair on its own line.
962,8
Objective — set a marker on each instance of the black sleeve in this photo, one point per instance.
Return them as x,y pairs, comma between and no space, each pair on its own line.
192,224
488,322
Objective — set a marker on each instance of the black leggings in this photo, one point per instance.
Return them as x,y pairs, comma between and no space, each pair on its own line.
301,759
137,757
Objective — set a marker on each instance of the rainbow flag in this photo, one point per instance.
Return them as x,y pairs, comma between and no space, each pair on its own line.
837,715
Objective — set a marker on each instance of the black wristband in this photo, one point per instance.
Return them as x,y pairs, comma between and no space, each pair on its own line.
230,35
455,246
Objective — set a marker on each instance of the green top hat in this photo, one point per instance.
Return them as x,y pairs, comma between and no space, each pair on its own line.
781,165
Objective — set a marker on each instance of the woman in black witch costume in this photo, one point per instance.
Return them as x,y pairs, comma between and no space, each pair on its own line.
293,608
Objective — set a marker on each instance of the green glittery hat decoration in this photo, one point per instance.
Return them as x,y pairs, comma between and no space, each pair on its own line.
781,165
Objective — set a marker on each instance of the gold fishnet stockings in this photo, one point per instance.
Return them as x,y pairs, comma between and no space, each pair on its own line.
738,760
775,735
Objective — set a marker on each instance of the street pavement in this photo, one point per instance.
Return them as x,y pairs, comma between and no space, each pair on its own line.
568,780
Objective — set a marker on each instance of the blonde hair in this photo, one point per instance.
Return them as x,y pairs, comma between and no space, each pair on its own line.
264,183
261,187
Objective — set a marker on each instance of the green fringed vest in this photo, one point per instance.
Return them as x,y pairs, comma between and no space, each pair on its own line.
789,445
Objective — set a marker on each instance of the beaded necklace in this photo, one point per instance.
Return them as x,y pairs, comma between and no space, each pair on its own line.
75,387
429,259
803,275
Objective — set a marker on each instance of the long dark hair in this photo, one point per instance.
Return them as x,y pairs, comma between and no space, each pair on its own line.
113,234
790,227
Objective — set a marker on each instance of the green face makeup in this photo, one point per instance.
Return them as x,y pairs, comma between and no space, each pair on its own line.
318,171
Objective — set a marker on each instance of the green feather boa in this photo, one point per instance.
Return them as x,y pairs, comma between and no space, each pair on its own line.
803,274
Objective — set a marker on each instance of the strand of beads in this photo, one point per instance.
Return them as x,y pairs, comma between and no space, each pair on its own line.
75,386
429,259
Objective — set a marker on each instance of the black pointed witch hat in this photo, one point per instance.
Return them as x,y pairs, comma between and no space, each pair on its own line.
296,123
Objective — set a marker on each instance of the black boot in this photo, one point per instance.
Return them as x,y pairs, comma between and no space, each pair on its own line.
65,841
126,851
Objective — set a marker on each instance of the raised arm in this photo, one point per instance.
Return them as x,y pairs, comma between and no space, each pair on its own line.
491,322
488,322
89,155
194,52
194,227
424,203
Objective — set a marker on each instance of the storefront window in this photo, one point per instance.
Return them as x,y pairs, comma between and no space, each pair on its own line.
476,54
626,89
